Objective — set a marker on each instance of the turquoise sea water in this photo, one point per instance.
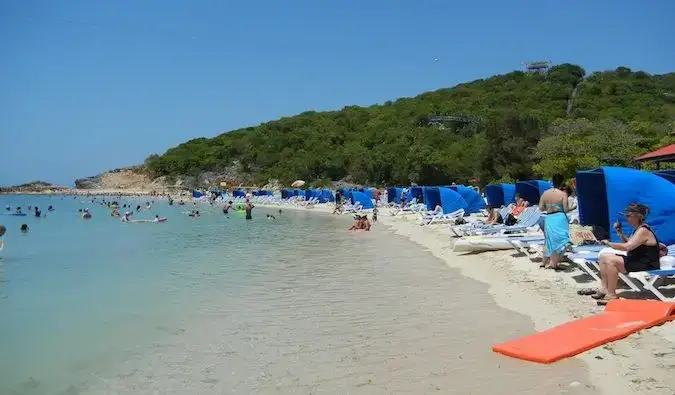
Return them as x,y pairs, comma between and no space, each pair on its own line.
77,293
221,305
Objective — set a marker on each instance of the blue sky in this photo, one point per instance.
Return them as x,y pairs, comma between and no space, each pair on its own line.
87,86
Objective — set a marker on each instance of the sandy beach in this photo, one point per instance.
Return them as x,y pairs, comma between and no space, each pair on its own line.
642,363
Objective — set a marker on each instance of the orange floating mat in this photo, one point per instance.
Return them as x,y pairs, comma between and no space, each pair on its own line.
620,318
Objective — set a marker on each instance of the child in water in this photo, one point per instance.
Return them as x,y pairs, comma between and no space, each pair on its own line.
24,228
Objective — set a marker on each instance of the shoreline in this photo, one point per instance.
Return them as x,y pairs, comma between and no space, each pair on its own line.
641,363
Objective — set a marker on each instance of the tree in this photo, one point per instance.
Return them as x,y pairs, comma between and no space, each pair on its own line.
572,145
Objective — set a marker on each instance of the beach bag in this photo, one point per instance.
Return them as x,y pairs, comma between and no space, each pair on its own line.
583,235
600,233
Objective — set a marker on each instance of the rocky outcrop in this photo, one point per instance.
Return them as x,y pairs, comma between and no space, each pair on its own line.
33,187
127,178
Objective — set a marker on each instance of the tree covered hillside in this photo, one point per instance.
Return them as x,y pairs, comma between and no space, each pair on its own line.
511,126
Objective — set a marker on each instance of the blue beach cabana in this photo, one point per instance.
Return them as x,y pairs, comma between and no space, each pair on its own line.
238,193
326,196
500,194
447,198
197,194
667,174
300,193
603,193
474,201
394,195
287,193
414,193
366,202
532,190
346,193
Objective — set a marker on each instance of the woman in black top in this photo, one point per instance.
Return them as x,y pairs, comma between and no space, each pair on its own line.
642,249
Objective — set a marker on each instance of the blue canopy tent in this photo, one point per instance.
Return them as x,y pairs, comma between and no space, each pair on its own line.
394,195
346,193
287,193
500,194
197,194
366,203
326,196
448,199
369,192
414,193
603,193
238,193
667,174
474,200
532,190
299,192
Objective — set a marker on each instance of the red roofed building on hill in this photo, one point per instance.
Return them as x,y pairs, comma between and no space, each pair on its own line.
665,154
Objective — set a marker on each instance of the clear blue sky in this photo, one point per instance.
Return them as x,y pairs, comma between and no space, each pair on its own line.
87,85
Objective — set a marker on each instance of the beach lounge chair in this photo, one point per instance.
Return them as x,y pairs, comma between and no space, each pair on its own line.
438,217
586,258
652,279
449,217
353,208
529,218
464,229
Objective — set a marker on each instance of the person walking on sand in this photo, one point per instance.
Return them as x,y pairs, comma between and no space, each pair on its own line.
554,203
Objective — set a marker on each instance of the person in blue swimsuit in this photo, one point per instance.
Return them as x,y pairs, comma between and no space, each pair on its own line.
553,202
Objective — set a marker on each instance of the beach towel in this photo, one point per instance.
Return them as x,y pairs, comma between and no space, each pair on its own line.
556,233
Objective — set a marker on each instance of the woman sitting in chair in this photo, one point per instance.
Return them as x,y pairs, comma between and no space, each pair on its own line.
642,252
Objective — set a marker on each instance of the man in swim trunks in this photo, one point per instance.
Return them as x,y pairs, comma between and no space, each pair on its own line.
249,208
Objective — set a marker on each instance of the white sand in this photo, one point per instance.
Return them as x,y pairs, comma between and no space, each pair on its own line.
643,363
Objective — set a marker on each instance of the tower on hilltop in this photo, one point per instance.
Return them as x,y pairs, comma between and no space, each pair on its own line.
538,67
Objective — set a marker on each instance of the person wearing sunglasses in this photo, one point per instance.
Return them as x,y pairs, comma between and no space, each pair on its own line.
642,252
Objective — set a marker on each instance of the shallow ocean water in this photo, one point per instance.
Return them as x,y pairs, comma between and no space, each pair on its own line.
221,305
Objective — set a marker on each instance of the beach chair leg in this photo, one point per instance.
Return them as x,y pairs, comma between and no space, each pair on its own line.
650,284
587,268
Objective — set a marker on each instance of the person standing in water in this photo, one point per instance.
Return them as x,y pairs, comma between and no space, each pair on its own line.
3,230
249,208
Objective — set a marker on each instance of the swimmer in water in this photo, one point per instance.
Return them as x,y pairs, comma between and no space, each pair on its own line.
50,208
8,208
227,207
38,213
270,216
138,208
125,217
3,230
24,228
18,210
86,214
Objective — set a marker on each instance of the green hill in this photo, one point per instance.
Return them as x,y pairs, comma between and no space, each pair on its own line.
503,127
